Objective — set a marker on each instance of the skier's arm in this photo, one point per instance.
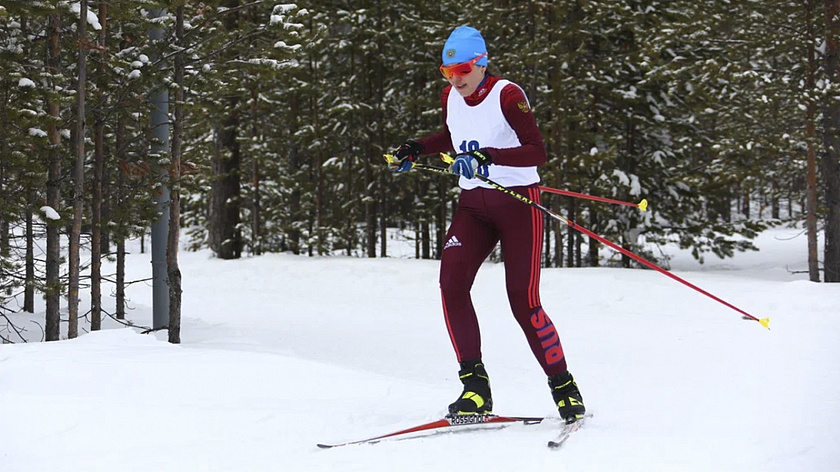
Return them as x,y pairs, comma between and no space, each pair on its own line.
518,114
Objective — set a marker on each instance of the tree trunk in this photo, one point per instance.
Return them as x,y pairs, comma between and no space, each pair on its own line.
96,207
29,287
831,140
52,330
318,220
558,230
122,224
811,136
78,182
96,233
317,177
426,235
172,270
224,234
370,208
256,207
745,202
593,243
295,213
383,217
4,238
570,251
548,223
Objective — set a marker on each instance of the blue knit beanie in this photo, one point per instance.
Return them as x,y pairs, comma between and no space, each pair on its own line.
464,44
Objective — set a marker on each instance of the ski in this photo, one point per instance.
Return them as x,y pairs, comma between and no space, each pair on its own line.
567,431
443,423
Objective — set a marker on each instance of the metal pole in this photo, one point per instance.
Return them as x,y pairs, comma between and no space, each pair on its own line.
160,228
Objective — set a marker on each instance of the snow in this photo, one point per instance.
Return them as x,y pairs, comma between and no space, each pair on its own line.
621,176
281,352
278,16
50,213
283,45
24,83
92,18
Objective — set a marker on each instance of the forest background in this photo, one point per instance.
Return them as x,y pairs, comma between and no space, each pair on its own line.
723,114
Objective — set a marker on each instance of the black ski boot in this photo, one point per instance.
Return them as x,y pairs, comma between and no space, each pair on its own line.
567,397
476,396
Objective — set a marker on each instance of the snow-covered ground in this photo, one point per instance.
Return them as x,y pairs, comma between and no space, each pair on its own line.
282,352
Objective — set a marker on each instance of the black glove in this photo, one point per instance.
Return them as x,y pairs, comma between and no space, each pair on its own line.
405,155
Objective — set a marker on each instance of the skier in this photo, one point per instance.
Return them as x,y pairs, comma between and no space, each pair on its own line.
488,122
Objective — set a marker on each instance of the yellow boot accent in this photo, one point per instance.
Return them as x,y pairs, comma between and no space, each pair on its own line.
475,398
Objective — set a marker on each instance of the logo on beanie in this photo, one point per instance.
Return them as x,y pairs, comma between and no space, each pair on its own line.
450,53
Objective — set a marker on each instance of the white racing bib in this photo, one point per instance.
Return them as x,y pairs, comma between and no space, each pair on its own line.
485,126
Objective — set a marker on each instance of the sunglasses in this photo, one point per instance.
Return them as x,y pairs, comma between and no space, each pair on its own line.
461,69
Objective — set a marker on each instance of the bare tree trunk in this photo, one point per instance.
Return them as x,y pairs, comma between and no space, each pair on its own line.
558,230
831,139
383,218
53,264
316,176
422,211
811,136
172,269
370,208
256,207
745,203
4,241
79,182
292,242
378,94
593,243
318,220
29,288
224,235
570,251
120,288
350,216
98,166
5,229
122,226
426,235
547,225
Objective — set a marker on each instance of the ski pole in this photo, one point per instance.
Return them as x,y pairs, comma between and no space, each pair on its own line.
447,158
765,322
641,205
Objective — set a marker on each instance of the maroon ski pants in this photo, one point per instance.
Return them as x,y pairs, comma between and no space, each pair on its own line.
483,218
